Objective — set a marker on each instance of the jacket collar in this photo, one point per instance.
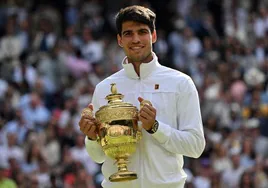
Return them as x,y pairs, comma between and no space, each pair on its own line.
145,68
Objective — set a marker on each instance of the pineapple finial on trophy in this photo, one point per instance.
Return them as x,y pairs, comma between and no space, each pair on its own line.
114,96
113,88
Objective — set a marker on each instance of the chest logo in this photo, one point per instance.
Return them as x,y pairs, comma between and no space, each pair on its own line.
156,86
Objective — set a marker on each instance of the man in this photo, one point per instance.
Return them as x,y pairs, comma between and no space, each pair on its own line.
172,126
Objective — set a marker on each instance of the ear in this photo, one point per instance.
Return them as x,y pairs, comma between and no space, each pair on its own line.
119,40
154,37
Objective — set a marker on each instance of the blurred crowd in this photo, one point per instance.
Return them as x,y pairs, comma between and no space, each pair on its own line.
53,53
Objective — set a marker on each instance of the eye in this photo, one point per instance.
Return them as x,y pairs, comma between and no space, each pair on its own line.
127,33
143,31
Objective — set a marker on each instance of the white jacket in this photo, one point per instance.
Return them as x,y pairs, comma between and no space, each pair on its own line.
158,160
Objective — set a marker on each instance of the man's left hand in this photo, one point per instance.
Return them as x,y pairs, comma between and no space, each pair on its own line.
147,115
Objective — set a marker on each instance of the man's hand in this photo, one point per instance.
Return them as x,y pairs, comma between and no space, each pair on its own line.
147,115
88,124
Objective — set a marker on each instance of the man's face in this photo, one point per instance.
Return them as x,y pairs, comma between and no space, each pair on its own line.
136,40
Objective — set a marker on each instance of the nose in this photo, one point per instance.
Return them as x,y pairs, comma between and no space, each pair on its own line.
135,38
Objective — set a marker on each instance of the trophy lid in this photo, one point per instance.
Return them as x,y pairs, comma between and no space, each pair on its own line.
114,96
116,109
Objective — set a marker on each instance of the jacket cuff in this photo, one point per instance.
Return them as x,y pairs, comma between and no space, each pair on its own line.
163,133
91,144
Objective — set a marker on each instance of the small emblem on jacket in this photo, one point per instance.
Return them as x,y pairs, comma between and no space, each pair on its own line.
156,86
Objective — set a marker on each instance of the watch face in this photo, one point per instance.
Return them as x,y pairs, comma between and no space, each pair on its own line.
155,126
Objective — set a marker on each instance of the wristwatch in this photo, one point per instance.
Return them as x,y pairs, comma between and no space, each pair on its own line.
154,127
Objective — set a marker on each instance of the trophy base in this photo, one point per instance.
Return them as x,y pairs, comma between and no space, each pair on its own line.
123,176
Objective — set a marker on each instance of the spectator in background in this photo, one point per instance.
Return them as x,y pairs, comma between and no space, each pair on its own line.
161,47
247,180
73,38
45,38
204,175
12,96
231,177
175,42
12,149
71,16
51,146
92,49
260,23
220,159
83,179
260,143
10,49
248,155
4,180
34,112
53,70
260,176
79,154
18,126
192,45
24,34
77,65
24,75
33,159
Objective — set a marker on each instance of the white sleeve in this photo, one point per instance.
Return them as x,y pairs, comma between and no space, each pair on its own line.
188,139
93,147
94,150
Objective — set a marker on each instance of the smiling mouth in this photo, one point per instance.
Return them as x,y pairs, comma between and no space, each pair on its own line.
136,48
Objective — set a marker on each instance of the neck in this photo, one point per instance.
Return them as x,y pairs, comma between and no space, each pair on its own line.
137,67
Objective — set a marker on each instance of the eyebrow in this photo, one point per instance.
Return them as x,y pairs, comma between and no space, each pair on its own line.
141,29
127,31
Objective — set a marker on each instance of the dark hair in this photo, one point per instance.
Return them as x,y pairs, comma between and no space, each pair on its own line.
135,13
251,177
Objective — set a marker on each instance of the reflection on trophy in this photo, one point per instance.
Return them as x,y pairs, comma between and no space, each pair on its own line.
118,133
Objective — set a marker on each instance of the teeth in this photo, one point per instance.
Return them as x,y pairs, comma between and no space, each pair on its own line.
136,48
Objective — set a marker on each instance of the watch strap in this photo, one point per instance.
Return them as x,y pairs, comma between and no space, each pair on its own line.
154,127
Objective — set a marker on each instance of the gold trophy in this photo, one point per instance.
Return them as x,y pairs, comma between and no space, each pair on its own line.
118,132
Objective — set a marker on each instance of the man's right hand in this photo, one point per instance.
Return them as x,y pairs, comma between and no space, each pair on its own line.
88,124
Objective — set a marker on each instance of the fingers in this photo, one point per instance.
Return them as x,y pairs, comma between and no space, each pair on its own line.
147,122
89,118
90,106
140,99
87,122
147,112
90,131
147,115
144,120
88,126
87,112
83,124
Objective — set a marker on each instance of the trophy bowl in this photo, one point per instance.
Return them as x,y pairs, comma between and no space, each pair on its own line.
118,133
